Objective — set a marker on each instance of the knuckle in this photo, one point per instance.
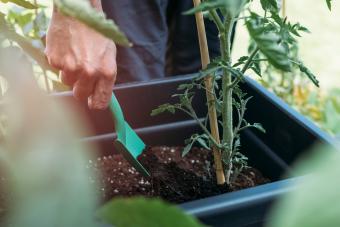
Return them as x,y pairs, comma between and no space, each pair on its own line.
89,71
109,73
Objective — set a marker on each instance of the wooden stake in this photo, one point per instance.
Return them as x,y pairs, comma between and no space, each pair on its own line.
284,8
202,37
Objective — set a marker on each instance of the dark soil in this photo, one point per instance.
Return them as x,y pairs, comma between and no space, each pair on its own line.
174,178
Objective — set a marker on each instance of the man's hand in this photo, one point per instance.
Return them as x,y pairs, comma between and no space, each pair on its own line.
86,59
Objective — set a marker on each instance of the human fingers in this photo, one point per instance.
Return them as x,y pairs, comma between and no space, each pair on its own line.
102,94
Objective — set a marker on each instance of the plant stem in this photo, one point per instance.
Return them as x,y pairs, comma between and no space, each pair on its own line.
245,67
192,114
227,106
209,84
250,60
217,20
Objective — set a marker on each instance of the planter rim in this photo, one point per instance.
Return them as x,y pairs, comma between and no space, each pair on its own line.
240,199
265,93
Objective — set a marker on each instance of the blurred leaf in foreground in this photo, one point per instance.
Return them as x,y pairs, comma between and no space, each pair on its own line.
144,212
316,201
23,3
45,166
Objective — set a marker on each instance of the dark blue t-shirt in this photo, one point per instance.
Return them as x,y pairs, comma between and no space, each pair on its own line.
165,41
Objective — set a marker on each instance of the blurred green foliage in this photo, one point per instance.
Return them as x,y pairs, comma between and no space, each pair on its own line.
42,163
322,107
22,3
146,212
316,200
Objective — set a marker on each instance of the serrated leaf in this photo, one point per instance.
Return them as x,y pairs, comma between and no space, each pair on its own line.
144,212
84,12
308,73
203,143
164,108
22,3
185,86
268,43
269,5
241,61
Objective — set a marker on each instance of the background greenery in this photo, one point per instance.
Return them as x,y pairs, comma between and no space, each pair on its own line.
319,49
319,52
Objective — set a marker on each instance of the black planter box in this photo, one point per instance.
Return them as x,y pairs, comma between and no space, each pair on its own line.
288,136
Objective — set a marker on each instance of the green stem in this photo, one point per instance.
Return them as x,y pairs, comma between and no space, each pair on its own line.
246,66
227,106
192,114
216,18
250,60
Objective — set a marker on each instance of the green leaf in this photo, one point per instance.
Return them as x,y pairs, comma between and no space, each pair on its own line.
164,108
206,6
232,6
22,3
269,5
315,200
210,71
329,4
84,12
185,87
46,169
331,117
241,61
256,69
144,212
259,127
187,148
203,143
268,43
308,73
37,54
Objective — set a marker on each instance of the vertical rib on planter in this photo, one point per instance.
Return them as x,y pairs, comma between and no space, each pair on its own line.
209,94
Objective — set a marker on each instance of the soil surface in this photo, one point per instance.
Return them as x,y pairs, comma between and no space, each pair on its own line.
173,178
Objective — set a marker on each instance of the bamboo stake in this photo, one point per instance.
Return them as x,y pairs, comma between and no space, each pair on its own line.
210,94
284,8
